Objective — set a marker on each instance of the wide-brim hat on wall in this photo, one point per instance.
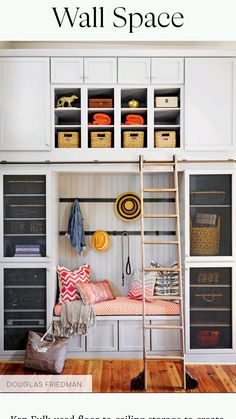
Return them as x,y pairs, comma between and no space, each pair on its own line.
100,241
128,206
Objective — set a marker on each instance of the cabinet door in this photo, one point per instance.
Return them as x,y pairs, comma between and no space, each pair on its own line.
24,104
67,70
100,70
134,70
209,103
167,70
103,337
165,340
131,336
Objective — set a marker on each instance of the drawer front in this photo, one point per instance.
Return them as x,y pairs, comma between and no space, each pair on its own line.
131,336
67,70
167,70
103,337
165,340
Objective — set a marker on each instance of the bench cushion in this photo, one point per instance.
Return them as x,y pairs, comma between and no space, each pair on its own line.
124,306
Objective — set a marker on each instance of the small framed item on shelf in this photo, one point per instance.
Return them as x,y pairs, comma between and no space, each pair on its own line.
166,101
133,139
165,139
68,139
100,103
101,139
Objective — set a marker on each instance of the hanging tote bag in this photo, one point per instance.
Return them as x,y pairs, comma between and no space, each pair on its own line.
46,352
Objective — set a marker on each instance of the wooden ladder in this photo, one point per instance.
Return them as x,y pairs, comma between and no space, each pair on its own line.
140,382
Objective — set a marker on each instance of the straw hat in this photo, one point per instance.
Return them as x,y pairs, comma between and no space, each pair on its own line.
100,241
128,206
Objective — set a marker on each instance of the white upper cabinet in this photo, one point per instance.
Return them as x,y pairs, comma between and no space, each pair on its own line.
24,104
210,92
167,70
100,70
67,70
134,70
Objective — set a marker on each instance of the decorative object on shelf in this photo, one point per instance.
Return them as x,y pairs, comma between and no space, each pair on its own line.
100,103
128,206
46,352
205,241
208,278
100,241
133,139
134,119
101,139
101,119
165,139
133,103
206,219
166,101
75,229
207,197
206,299
66,99
68,139
27,250
207,338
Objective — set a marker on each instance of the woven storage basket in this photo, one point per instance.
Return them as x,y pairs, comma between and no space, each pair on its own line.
208,338
101,139
207,197
133,139
205,241
165,139
68,139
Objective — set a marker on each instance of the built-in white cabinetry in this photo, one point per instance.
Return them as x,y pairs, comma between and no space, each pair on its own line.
103,337
134,70
131,336
167,70
100,70
24,104
67,70
210,92
165,340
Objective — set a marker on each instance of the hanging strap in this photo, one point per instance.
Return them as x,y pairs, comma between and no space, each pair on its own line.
127,269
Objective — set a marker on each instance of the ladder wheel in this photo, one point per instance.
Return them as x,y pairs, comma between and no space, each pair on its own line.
191,382
138,382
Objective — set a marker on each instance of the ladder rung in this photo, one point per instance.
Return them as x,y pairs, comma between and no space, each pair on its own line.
160,215
156,357
159,190
164,297
163,163
162,269
162,326
160,242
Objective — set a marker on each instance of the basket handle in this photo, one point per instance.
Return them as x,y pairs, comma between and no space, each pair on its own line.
101,136
134,135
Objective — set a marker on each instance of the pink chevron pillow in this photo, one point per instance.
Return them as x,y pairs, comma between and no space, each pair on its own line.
136,286
68,280
95,292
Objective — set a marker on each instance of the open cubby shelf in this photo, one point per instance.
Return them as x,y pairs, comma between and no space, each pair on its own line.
118,104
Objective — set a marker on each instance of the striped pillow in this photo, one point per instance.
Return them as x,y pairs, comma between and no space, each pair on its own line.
136,286
68,280
95,292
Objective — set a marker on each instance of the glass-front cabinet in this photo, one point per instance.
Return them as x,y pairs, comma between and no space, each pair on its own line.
209,311
209,229
25,217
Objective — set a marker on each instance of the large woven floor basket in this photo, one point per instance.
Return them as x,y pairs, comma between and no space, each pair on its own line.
205,241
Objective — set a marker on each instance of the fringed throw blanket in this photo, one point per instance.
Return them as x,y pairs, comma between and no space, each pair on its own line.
76,318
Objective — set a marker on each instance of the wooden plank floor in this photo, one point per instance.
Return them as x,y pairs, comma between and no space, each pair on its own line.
115,375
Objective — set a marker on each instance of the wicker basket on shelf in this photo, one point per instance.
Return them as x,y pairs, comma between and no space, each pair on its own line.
101,139
205,240
68,139
133,139
165,139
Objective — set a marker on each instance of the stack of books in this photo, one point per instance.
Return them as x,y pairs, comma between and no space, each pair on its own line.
27,250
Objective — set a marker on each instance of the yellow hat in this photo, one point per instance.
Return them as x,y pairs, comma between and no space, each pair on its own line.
128,206
100,241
